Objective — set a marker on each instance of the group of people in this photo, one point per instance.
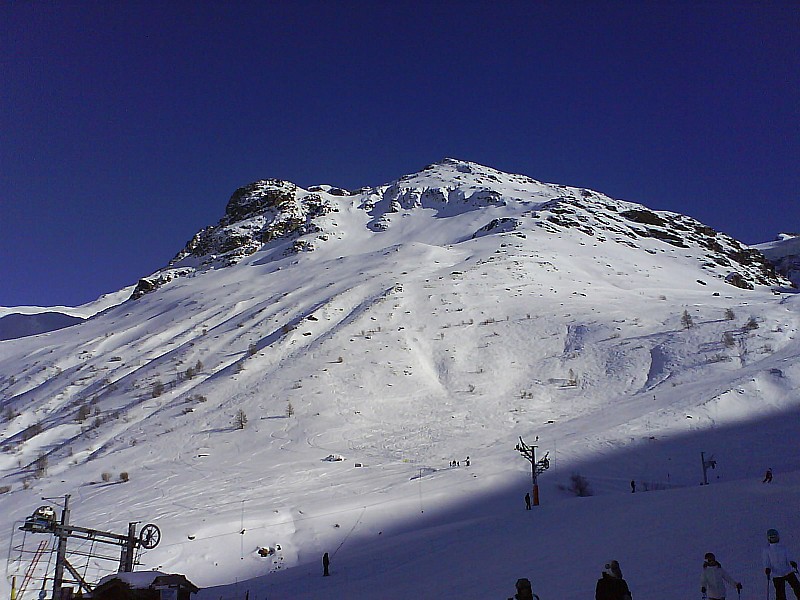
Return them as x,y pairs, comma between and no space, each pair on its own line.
778,567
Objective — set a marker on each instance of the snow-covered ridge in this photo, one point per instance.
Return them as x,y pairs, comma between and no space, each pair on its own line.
276,214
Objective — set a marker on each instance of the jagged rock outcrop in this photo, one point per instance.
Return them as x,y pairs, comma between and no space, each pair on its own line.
269,210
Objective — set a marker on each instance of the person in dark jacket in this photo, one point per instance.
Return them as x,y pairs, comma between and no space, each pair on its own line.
611,586
326,562
524,590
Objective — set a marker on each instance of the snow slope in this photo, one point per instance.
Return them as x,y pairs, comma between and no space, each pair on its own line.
410,325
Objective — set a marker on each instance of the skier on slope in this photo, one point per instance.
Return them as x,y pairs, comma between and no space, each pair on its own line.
611,586
714,577
779,566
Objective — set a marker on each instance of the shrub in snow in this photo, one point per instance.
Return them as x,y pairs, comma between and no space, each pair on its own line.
578,485
106,476
158,388
123,476
240,419
41,465
83,413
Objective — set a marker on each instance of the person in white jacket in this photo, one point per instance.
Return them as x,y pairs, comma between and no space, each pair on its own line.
780,567
713,579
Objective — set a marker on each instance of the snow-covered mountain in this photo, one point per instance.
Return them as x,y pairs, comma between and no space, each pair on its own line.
784,254
400,328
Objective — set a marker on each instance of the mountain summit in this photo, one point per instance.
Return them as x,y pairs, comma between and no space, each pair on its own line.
278,215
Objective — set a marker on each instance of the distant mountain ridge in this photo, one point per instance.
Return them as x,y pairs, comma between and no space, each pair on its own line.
276,213
17,325
784,254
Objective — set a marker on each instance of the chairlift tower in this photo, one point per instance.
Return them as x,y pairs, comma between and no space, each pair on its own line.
43,520
537,467
708,463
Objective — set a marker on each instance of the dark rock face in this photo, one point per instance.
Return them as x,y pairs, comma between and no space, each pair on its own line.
252,199
737,280
152,283
265,211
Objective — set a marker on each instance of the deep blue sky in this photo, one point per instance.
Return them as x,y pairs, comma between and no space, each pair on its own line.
126,126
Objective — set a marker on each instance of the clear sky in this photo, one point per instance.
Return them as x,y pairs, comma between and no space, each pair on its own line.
126,126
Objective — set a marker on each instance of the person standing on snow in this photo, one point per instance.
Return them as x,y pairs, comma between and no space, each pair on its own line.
326,563
524,590
768,476
779,566
611,586
714,577
527,501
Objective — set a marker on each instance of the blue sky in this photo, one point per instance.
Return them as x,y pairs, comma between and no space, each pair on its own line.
126,126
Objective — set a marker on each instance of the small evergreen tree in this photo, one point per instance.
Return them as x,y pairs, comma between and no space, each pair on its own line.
158,388
751,324
240,419
728,339
289,410
84,412
40,465
686,320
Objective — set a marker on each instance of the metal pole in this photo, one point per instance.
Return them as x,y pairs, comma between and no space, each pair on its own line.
128,550
703,460
535,483
61,554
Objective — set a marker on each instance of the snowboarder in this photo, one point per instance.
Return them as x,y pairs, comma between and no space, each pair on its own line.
527,501
524,591
768,476
713,579
780,567
633,486
611,586
468,461
326,562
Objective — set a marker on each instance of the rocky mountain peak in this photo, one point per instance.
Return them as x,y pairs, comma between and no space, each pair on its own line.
272,212
250,200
